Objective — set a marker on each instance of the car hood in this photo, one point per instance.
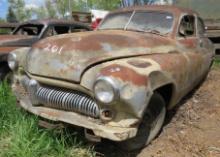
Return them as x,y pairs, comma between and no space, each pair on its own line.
16,40
68,56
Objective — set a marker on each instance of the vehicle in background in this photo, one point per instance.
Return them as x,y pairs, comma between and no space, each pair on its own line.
7,28
27,33
92,18
213,32
97,17
84,17
116,82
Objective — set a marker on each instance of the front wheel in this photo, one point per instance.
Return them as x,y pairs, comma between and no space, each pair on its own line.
150,126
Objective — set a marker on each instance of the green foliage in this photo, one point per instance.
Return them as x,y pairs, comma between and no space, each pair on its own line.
50,9
56,8
22,13
11,17
217,62
20,135
62,7
41,12
104,4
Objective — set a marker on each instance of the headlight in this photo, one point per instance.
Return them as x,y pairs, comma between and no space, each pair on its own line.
105,90
12,61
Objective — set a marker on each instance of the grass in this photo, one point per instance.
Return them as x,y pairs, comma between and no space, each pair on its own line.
216,62
20,135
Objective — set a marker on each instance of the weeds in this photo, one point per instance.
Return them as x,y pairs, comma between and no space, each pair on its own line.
20,135
216,62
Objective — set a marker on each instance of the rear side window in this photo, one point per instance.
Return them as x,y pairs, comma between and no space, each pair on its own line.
187,26
61,29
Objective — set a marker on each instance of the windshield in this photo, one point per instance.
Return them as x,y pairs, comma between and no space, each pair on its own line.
29,29
151,21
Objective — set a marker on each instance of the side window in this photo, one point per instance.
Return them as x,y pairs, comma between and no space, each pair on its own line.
187,26
61,29
200,27
78,29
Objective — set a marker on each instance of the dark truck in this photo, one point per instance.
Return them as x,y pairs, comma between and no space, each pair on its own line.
210,12
30,32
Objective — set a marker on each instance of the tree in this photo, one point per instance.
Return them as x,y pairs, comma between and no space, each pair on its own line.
11,17
40,12
50,9
104,4
22,13
62,7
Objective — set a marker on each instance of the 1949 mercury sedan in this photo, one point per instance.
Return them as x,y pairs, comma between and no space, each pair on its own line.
119,81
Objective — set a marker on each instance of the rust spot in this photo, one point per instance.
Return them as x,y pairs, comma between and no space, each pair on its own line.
49,113
104,41
125,74
7,49
139,63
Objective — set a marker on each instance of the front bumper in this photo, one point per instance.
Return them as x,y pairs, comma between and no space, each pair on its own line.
99,129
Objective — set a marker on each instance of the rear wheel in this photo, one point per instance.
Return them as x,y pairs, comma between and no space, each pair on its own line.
150,126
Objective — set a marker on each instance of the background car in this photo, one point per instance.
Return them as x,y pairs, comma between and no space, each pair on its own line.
30,32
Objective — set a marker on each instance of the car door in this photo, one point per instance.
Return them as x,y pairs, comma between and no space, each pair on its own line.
189,44
205,46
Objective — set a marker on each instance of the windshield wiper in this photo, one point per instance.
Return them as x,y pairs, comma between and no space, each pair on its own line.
153,31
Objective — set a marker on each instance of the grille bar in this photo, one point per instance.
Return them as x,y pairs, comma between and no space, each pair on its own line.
70,101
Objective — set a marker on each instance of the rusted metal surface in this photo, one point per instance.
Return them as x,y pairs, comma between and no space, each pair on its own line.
134,63
9,25
17,41
99,129
84,50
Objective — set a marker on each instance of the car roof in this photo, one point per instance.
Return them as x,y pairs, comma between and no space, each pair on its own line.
54,22
165,8
8,25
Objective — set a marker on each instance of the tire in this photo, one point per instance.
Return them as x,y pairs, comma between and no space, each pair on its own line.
4,71
150,126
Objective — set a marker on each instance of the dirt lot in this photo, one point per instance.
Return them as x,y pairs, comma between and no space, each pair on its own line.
191,130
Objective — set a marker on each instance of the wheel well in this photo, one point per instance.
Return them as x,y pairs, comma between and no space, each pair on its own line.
4,65
166,92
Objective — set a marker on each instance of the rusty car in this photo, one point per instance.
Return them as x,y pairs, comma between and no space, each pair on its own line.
7,28
30,32
119,81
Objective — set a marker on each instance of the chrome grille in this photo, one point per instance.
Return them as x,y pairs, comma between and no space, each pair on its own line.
70,101
60,98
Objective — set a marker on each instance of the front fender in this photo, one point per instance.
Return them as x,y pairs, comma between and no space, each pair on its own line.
132,77
21,55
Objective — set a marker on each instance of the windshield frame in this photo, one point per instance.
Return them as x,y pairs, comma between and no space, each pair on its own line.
139,11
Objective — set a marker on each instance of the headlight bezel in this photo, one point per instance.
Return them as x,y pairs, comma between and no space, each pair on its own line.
109,83
12,61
